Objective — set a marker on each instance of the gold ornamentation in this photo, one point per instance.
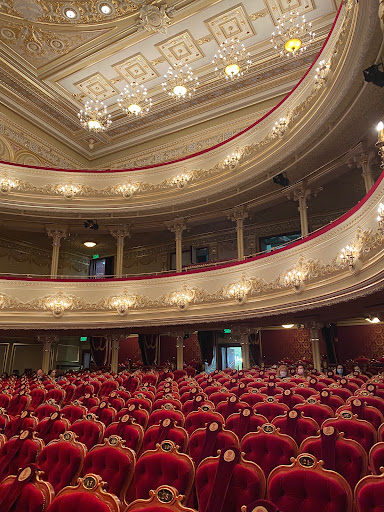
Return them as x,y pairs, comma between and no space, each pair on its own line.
155,19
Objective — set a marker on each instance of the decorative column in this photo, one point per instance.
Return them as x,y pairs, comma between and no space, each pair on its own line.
238,215
242,333
364,161
177,226
314,329
47,342
381,14
302,193
115,346
56,233
179,350
120,235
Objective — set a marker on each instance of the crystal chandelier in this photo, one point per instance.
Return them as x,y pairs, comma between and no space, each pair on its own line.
94,117
180,82
293,34
134,100
232,59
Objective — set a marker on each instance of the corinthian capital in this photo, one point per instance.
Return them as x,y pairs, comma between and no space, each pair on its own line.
176,226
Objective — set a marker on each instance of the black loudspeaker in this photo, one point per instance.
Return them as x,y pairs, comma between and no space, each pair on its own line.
281,179
374,75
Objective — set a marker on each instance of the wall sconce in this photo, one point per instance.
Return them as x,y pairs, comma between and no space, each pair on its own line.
7,184
127,190
380,142
122,304
181,179
232,161
321,74
349,256
239,291
380,218
69,191
280,127
57,304
183,298
295,279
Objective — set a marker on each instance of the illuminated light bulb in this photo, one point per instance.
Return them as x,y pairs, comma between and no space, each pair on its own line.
293,45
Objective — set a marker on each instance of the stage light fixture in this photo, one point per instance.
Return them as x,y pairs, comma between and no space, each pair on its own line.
375,75
281,179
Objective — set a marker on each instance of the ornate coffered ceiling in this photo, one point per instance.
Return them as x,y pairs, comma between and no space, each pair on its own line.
51,62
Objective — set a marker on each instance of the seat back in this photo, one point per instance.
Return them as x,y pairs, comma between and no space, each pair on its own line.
19,403
268,448
18,452
353,428
164,466
314,409
227,482
270,408
73,412
296,425
114,462
167,429
19,423
205,442
345,456
166,412
164,499
87,495
306,486
89,430
200,418
51,428
369,493
245,421
376,458
62,460
131,432
26,491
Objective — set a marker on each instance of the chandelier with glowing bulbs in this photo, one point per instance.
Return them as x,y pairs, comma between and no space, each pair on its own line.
232,59
293,34
180,82
134,100
94,117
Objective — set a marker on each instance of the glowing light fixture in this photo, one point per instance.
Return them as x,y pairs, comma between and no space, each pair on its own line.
180,82
288,326
293,34
380,142
94,117
89,244
70,13
134,100
373,320
232,60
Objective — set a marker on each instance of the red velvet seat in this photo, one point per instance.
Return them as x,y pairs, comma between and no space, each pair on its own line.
314,409
228,482
4,419
296,425
376,457
89,401
19,452
343,393
38,396
114,462
131,383
18,404
333,401
151,378
62,460
104,413
205,442
345,456
268,448
195,403
167,429
270,408
57,394
303,391
69,390
164,466
46,409
141,416
369,494
25,492
145,392
89,430
167,399
220,396
116,401
200,418
353,428
73,412
131,432
164,499
167,411
141,401
245,421
231,405
363,412
369,399
305,486
5,398
51,428
107,387
87,496
253,397
19,423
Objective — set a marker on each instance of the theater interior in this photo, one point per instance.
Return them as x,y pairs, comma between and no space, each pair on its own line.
191,256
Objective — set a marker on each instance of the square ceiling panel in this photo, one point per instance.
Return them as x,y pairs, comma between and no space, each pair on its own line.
232,23
136,69
180,49
97,87
278,7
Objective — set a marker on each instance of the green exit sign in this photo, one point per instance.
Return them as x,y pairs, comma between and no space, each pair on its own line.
83,338
95,256
227,331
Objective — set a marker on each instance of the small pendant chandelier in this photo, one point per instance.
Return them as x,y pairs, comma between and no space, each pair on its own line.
94,117
293,34
180,82
134,100
232,59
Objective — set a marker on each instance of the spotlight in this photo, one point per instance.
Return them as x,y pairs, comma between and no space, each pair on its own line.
91,224
375,75
281,179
